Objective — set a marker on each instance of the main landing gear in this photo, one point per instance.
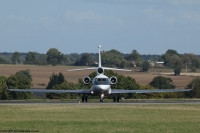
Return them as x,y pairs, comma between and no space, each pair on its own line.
116,98
84,98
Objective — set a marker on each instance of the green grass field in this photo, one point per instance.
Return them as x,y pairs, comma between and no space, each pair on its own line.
101,118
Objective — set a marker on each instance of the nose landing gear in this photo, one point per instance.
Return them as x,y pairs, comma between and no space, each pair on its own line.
101,97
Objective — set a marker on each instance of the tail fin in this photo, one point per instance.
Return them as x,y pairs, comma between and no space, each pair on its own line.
99,55
99,69
91,68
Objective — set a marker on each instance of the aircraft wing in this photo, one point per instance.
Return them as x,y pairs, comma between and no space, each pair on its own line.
52,91
115,91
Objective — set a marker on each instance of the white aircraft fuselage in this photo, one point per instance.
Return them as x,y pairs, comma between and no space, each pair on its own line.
101,86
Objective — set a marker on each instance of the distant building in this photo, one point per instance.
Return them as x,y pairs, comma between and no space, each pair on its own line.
152,64
133,63
156,64
159,63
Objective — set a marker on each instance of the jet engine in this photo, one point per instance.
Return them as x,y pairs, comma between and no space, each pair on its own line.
100,70
86,80
113,80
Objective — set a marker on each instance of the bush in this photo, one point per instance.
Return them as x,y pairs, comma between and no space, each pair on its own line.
195,93
177,70
160,82
145,66
193,69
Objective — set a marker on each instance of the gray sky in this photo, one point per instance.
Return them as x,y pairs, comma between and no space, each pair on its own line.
79,26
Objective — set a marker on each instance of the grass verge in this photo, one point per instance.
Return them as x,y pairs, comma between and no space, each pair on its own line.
101,118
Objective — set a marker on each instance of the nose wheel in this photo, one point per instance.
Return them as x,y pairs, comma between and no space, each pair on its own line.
101,98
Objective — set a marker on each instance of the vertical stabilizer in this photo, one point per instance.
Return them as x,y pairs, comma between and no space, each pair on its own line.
99,69
99,55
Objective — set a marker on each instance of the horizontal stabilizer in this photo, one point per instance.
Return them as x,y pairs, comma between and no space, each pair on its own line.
95,68
115,69
90,68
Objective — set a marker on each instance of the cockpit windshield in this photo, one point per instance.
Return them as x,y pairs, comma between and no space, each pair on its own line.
101,81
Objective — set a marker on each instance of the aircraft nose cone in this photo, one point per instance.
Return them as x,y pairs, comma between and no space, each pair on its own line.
103,87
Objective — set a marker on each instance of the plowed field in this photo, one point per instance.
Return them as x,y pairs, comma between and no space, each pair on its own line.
41,74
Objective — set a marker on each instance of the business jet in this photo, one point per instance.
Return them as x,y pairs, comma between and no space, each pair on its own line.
101,85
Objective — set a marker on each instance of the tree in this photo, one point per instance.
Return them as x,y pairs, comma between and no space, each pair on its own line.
145,66
123,64
149,95
160,82
173,61
31,58
177,70
85,60
42,58
15,58
4,93
19,82
134,56
3,61
112,58
171,58
195,62
190,60
193,69
25,74
63,86
55,79
171,52
54,56
195,93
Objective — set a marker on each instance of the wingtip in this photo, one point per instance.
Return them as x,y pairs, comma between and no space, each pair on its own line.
193,85
7,86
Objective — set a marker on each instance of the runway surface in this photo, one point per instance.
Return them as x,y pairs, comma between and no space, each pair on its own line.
143,102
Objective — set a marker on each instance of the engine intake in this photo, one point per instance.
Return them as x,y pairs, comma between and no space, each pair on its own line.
100,70
113,80
86,80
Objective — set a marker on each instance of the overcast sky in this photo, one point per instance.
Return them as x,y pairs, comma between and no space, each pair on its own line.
79,26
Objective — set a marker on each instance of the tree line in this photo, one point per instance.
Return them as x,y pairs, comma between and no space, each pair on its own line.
112,58
23,79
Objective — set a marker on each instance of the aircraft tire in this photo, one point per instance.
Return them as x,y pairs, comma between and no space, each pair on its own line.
82,98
